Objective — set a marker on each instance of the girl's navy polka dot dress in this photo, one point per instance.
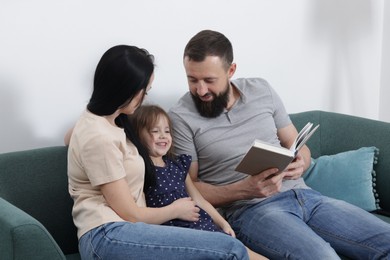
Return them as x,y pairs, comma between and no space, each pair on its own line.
170,186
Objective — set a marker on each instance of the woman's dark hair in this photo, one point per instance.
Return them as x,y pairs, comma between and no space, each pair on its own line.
122,72
209,43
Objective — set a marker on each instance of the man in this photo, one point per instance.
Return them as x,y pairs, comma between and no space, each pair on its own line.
273,213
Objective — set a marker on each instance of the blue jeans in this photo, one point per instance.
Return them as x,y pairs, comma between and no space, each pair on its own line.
125,240
303,224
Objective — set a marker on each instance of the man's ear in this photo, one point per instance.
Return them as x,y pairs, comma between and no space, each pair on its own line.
232,70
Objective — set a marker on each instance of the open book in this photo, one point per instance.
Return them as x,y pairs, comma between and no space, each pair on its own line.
262,155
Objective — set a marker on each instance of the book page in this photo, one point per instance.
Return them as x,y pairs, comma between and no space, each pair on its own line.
300,136
308,135
271,147
303,137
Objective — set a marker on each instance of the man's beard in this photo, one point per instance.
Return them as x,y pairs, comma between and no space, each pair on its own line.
213,108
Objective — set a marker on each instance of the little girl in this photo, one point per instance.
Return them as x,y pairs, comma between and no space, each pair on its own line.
172,182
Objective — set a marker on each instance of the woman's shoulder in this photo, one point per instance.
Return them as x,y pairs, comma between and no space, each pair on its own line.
97,131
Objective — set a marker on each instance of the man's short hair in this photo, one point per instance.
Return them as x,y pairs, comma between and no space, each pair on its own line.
209,43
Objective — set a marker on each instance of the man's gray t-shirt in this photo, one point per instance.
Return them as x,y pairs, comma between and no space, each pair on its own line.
218,144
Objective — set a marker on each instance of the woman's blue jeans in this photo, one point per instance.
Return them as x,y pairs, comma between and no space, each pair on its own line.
303,224
125,240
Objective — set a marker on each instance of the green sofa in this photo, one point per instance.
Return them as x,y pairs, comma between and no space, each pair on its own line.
35,208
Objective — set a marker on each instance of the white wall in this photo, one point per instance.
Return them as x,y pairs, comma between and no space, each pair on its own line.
318,54
384,105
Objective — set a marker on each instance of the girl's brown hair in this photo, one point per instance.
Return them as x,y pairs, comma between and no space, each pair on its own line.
146,117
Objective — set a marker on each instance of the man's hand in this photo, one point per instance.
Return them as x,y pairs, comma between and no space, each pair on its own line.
264,184
295,169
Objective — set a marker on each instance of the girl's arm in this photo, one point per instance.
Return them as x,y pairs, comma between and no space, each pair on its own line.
206,206
118,197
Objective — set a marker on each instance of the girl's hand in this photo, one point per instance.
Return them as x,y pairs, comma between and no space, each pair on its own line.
228,229
186,209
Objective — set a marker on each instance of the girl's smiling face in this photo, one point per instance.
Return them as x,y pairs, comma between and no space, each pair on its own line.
158,139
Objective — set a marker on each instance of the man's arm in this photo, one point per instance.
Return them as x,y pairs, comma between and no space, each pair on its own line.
295,169
257,186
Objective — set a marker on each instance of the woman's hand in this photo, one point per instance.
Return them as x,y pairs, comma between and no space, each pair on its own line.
186,209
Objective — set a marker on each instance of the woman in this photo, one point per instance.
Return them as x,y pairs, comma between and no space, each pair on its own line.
107,166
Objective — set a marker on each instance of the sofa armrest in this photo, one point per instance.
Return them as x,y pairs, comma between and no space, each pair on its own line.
23,237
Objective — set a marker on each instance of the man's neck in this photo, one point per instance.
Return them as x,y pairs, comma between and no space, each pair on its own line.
234,94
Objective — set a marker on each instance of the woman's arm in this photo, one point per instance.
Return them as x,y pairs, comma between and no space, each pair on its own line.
67,136
117,195
206,206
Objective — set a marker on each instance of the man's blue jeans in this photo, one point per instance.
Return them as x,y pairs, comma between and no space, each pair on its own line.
303,224
125,240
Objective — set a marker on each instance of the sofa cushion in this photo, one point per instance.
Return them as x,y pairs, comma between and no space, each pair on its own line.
348,176
340,132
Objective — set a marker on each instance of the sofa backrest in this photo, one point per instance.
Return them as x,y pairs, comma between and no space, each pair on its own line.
339,132
36,182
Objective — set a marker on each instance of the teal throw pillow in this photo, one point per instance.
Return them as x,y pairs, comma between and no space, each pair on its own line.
348,176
